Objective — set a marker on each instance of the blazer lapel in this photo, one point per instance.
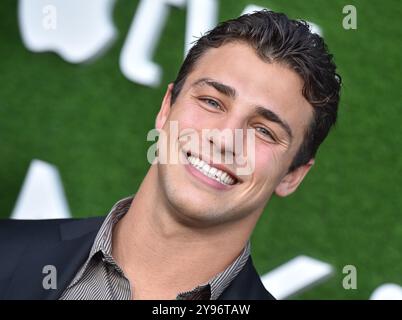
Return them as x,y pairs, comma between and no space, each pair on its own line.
246,285
67,255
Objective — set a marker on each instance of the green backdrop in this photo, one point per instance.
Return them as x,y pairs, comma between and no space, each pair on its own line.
91,122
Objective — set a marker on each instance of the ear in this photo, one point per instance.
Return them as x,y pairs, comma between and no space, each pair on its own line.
164,111
291,181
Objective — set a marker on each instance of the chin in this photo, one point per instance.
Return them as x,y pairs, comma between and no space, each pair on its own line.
194,205
190,209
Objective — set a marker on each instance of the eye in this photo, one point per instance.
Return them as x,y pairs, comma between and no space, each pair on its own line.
266,132
212,103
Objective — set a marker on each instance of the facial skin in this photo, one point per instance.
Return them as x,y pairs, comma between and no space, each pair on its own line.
200,105
177,222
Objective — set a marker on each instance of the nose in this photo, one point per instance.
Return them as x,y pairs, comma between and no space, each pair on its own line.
226,136
221,145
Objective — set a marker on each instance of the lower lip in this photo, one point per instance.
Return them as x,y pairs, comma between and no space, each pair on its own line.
208,181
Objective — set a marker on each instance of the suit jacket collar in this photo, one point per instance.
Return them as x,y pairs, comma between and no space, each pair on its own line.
246,286
66,255
70,252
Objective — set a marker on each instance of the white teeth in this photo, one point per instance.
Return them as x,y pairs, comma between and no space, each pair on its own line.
211,172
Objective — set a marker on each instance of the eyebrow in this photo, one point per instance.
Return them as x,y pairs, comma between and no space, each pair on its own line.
273,117
222,88
231,93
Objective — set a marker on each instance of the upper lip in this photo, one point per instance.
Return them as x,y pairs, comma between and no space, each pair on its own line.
216,165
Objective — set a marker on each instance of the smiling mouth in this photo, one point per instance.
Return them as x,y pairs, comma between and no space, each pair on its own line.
210,171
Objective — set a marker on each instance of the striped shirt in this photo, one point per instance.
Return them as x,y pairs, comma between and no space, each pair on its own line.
100,277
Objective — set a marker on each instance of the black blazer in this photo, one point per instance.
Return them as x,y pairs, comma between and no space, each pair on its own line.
26,246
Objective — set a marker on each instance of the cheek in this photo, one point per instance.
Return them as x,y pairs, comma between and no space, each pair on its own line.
189,115
268,163
189,120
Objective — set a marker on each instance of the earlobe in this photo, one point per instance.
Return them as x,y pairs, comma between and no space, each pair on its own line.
164,111
292,180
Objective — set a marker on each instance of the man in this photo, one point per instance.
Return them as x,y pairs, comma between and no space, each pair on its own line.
185,234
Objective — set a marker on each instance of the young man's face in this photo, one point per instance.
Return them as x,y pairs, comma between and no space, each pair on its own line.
259,92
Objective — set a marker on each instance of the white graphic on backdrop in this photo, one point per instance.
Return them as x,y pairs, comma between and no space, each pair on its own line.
387,291
315,28
202,15
42,194
81,30
76,30
142,38
295,276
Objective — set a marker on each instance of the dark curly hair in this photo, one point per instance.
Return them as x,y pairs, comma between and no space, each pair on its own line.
276,38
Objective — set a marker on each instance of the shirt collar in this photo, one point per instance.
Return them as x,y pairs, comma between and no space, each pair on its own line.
209,290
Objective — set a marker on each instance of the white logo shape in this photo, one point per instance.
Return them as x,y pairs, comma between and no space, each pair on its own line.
42,195
76,30
296,276
387,291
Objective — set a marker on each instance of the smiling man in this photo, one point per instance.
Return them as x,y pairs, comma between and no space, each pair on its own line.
185,234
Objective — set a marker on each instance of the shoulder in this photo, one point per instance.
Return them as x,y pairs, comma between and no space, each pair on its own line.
28,231
247,286
29,245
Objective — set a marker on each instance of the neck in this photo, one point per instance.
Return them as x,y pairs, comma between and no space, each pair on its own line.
161,256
